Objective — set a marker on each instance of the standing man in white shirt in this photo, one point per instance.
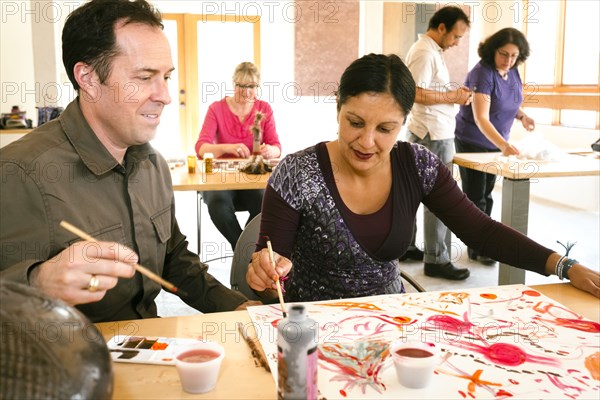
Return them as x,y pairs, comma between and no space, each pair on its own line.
431,122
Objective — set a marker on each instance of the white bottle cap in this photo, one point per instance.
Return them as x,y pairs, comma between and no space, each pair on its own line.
208,155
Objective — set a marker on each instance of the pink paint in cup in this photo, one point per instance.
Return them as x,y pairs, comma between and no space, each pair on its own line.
198,366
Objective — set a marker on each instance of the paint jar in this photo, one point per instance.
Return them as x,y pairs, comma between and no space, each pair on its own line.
191,162
297,355
414,362
208,162
198,366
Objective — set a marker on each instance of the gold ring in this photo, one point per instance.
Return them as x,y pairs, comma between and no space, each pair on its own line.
94,284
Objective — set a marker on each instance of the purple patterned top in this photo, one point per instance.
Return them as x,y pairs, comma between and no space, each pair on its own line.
338,254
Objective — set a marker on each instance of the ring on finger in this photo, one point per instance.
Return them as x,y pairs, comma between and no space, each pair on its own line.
94,284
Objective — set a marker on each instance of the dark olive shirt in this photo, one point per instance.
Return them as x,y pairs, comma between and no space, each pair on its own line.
61,171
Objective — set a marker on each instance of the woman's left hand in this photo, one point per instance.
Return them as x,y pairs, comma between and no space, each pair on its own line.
585,279
528,123
267,151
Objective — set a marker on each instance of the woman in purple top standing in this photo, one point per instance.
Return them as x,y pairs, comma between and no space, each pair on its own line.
484,125
340,213
226,133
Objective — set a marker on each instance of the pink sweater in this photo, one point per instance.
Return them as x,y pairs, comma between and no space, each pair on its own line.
223,126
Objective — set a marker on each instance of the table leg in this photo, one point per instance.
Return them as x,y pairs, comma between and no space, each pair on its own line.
448,240
199,218
515,213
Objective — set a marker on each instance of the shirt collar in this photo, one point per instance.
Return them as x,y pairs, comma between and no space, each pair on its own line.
431,42
91,151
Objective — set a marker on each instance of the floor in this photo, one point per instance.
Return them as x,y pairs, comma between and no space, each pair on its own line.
547,223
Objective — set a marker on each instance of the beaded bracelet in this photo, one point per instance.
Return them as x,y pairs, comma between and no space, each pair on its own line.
558,267
564,267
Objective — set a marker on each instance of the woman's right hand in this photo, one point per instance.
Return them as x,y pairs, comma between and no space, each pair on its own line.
239,150
510,150
261,274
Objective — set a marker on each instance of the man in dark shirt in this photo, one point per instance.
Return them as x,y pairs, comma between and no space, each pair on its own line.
93,167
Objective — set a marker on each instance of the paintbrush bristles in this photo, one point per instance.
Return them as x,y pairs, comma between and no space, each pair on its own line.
276,279
257,353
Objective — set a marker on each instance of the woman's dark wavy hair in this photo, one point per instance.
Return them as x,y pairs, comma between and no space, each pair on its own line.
487,48
89,34
378,73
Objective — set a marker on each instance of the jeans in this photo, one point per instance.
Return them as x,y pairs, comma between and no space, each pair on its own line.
436,251
222,205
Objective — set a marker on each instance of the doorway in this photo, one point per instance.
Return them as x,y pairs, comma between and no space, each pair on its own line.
205,50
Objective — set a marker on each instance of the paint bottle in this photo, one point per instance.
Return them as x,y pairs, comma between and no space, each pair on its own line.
208,163
297,355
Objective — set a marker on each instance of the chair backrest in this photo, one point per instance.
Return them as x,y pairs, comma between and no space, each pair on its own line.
241,258
412,281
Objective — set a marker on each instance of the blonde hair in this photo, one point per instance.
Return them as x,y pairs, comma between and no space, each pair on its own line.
245,72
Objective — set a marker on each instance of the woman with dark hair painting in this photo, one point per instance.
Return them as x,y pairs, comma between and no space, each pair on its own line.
484,125
340,213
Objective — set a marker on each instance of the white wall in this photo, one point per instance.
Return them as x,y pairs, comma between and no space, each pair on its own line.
16,55
31,72
371,28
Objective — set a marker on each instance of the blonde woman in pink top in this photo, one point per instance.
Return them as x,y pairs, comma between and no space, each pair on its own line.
226,133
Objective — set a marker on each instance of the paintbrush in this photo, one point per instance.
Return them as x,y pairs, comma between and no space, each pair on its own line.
256,352
142,270
276,279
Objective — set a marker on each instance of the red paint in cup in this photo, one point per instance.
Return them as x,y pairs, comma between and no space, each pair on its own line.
198,365
198,356
414,353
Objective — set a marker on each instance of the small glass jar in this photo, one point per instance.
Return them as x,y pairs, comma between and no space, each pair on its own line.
208,163
191,162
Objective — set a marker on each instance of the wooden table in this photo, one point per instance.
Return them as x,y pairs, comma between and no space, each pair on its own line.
240,378
518,175
221,179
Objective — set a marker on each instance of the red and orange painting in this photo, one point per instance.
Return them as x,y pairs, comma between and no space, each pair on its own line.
508,342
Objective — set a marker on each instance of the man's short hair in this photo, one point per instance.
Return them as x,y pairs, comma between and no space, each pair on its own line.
448,16
89,33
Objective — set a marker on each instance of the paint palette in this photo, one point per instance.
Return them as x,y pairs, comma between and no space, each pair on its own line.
145,349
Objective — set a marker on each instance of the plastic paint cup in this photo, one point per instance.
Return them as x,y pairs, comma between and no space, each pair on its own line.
414,362
198,366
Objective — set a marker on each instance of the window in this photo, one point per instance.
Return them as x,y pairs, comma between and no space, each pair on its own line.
562,73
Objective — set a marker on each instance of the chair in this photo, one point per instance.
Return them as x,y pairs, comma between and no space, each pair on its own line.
241,258
408,278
